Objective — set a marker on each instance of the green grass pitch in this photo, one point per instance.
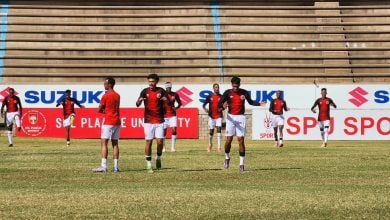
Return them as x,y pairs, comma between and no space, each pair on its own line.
44,179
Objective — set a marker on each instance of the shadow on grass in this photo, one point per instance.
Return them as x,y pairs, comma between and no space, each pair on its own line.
278,168
170,169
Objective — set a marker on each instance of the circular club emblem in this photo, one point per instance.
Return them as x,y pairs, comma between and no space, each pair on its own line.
33,123
242,97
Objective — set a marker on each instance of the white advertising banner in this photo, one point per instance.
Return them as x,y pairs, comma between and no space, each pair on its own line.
345,125
346,96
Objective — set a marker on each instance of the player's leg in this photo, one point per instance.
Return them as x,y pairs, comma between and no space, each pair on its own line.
105,136
281,135
17,122
240,131
173,139
9,134
321,126
275,126
280,128
326,132
10,125
104,152
66,124
219,134
149,130
241,150
211,135
219,138
230,132
228,146
166,125
67,135
173,125
115,147
211,124
276,136
159,134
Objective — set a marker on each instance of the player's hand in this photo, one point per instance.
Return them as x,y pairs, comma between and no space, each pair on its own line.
206,110
288,109
82,106
262,103
314,111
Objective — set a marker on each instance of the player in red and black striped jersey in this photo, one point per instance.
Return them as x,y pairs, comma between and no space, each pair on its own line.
276,107
234,100
68,103
323,104
153,98
215,116
170,114
13,113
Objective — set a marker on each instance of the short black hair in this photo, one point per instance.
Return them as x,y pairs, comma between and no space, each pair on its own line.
11,89
323,89
67,91
153,76
111,81
236,80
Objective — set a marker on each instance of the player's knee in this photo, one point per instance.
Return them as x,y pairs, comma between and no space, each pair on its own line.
321,129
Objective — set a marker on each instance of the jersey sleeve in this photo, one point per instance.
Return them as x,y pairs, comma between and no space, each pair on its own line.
271,106
19,103
223,99
315,104
76,102
207,101
177,98
4,103
103,101
284,105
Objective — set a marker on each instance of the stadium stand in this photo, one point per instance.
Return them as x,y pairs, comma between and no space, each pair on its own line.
197,41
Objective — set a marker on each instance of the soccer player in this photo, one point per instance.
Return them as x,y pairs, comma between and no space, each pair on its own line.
215,116
109,106
13,112
323,104
170,114
276,108
234,100
69,114
153,98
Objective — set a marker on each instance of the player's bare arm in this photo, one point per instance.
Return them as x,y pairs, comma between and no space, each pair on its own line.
101,109
263,103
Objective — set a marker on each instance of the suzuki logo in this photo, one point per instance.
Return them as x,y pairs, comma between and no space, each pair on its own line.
5,93
184,95
358,96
